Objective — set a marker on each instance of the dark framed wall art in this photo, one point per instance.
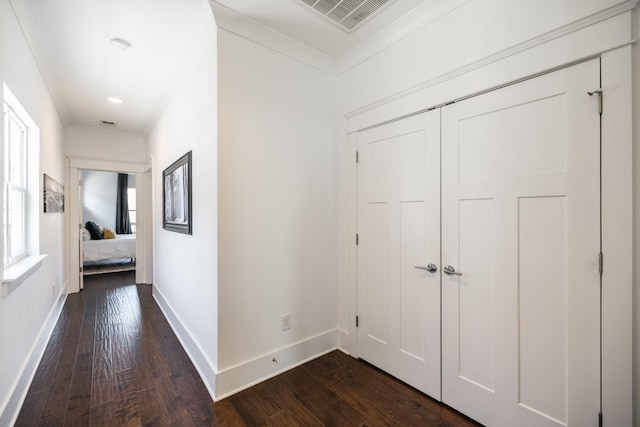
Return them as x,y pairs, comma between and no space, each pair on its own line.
176,196
53,195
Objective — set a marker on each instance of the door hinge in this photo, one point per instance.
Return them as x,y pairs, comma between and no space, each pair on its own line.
600,263
357,157
80,226
599,93
357,239
600,419
357,321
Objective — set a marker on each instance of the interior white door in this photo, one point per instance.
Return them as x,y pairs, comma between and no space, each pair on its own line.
399,236
521,223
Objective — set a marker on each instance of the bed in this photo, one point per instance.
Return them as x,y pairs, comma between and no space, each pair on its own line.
123,246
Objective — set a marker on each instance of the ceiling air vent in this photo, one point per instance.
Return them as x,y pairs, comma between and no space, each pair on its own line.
348,14
108,123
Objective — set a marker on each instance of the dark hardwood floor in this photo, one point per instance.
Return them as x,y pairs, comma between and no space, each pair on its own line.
113,360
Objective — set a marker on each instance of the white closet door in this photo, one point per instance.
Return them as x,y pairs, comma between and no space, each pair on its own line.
521,222
399,235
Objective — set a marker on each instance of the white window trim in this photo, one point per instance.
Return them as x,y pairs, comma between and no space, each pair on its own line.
12,186
17,271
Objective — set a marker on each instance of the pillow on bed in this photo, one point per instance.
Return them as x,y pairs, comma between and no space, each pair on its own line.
94,230
85,235
108,233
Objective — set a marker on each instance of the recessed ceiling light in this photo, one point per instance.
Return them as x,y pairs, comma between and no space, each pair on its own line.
115,100
119,44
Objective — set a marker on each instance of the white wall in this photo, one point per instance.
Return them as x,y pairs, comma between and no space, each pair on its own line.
185,279
277,201
27,314
636,212
99,197
85,142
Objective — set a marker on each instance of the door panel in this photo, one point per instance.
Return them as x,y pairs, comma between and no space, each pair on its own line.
412,289
376,313
399,229
476,328
542,299
520,221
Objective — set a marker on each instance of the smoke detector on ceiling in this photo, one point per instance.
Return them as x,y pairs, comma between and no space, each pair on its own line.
347,14
119,44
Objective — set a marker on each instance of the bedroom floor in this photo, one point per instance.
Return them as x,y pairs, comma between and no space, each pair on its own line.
113,360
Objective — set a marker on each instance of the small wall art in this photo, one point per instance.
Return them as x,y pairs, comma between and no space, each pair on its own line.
53,195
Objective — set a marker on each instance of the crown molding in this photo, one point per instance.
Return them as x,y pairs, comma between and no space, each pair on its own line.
547,37
249,29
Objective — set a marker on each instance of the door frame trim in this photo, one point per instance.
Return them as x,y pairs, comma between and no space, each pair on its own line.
72,213
617,237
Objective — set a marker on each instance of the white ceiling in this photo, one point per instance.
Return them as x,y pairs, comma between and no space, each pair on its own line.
70,40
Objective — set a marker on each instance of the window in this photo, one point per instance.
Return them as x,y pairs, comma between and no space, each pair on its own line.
15,185
131,201
20,208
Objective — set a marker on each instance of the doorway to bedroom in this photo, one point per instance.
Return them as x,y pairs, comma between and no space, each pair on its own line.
93,198
109,220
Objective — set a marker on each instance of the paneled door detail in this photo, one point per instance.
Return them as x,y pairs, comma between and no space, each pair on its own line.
399,236
521,230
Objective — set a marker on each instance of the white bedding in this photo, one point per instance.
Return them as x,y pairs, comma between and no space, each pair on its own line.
123,246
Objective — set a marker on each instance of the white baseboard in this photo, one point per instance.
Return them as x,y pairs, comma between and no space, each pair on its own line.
244,375
345,342
9,414
202,363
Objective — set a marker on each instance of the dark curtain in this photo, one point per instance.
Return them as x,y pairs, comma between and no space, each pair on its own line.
123,224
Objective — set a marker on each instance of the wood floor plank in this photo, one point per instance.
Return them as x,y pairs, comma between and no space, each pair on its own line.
55,407
152,412
356,384
31,409
284,400
254,406
79,406
103,416
46,369
79,403
120,348
226,414
103,327
125,403
156,353
322,402
102,385
176,358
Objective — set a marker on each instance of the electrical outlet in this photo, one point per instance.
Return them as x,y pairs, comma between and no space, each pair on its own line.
286,321
53,288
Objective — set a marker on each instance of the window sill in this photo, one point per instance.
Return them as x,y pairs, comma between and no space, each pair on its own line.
15,274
